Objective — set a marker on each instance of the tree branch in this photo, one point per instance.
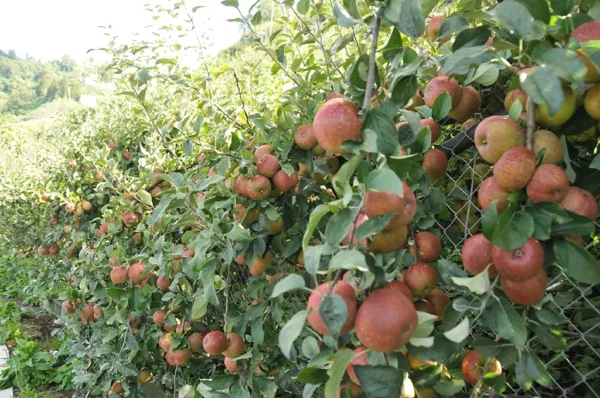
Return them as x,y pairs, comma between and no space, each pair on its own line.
530,108
371,75
237,83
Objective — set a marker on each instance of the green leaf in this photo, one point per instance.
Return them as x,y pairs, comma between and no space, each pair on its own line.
144,197
393,46
542,223
459,332
449,387
427,376
312,258
239,234
452,25
487,347
290,282
565,63
342,178
515,110
489,221
577,262
198,123
543,86
577,225
513,230
596,162
425,325
514,17
338,226
257,18
403,89
143,75
186,391
538,9
348,259
199,307
478,284
336,373
230,3
344,19
291,331
567,159
471,37
384,180
485,74
258,334
312,374
315,217
411,21
303,6
441,106
379,381
550,337
334,313
372,226
309,390
383,126
461,60
188,147
530,368
310,347
562,7
427,6
550,317
508,322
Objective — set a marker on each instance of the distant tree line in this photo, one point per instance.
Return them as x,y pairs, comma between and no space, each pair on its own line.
27,83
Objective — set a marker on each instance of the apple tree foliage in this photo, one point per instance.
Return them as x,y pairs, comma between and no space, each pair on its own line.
159,165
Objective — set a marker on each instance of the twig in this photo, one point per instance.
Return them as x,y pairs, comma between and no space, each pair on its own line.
477,386
267,50
237,83
366,105
202,57
530,108
411,228
193,89
227,297
371,75
318,39
147,111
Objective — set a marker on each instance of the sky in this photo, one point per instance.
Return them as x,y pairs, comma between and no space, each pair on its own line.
49,29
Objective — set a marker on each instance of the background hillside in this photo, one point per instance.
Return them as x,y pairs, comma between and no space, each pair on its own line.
30,89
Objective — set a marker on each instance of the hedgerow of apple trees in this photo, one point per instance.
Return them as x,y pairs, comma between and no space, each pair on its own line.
228,241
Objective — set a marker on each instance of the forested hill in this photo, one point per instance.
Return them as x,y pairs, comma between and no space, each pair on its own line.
26,83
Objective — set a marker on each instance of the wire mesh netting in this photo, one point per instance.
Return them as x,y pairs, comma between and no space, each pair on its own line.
574,372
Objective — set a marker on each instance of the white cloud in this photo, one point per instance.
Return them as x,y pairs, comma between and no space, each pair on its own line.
48,29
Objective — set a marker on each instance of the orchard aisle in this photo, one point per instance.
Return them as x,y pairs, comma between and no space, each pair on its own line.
7,393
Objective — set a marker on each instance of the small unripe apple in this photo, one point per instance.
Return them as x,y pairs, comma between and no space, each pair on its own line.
259,187
285,182
215,342
335,122
305,137
439,85
341,289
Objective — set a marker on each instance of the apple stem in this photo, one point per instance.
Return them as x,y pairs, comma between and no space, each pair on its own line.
530,108
371,74
411,228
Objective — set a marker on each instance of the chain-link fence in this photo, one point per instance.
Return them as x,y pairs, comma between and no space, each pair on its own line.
574,372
